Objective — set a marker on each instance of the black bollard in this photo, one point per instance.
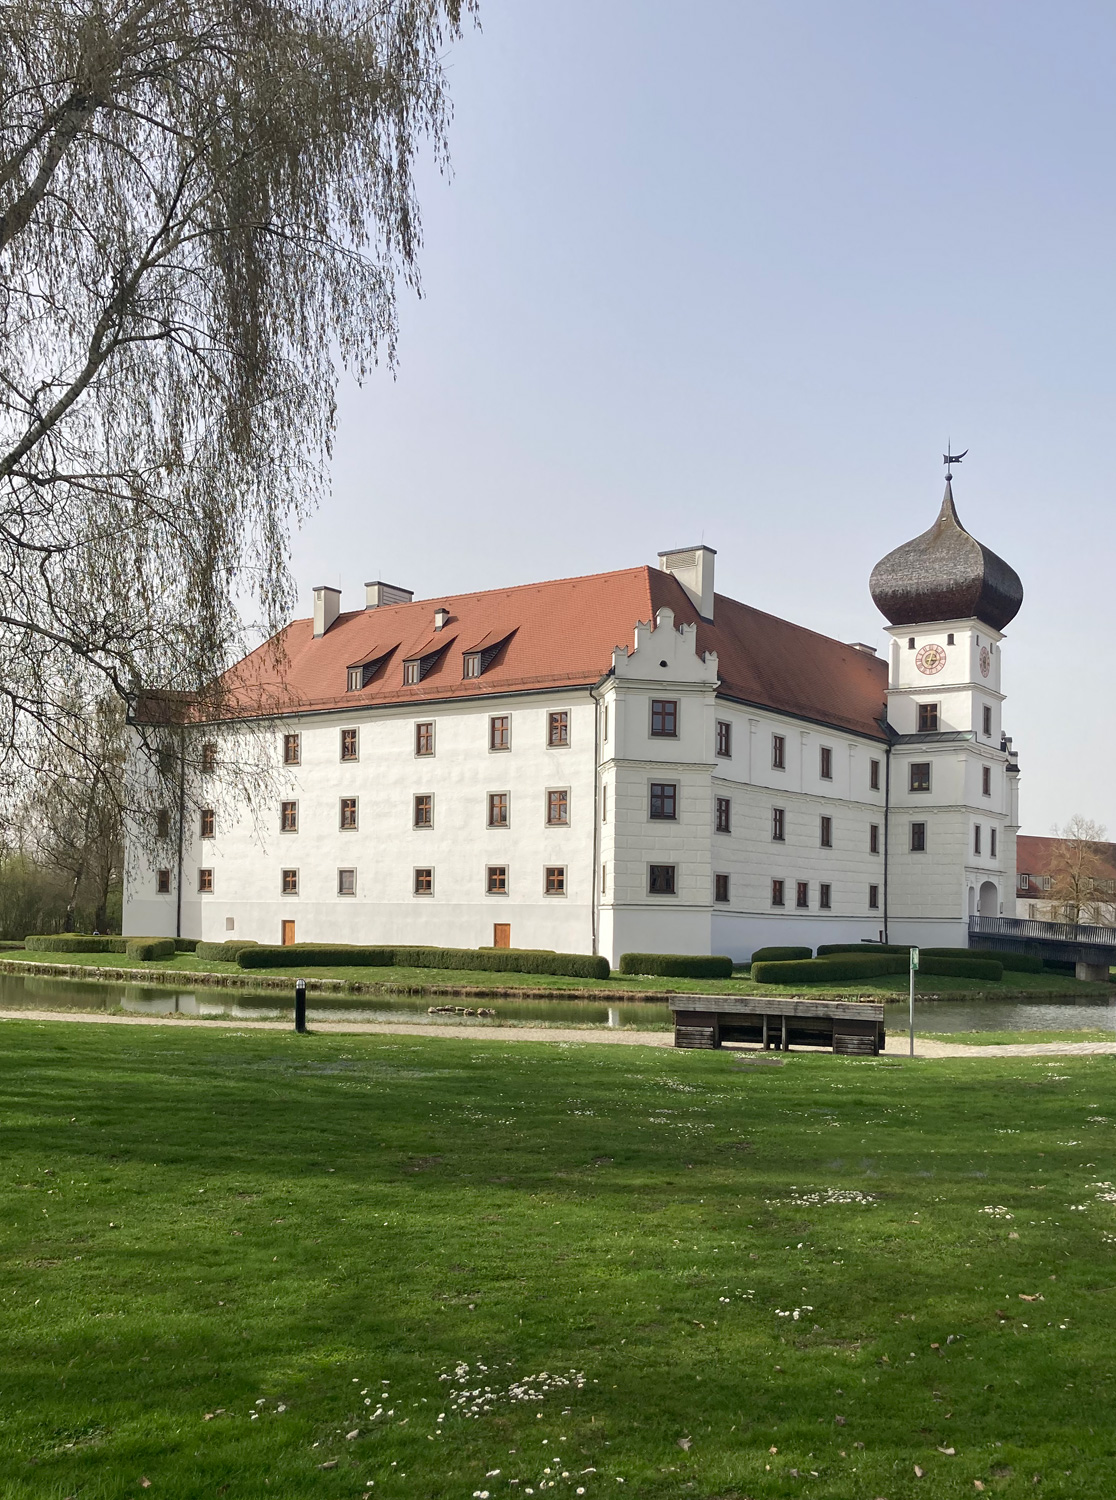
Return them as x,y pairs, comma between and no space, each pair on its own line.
300,1005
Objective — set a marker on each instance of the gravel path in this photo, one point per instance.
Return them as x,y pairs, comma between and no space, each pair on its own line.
897,1046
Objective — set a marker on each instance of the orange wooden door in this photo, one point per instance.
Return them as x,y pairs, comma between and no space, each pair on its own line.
501,934
288,934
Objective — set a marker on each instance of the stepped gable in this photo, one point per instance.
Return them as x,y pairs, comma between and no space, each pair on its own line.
556,634
946,574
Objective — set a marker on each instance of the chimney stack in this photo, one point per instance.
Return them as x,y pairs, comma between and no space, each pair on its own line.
327,606
693,567
441,618
377,594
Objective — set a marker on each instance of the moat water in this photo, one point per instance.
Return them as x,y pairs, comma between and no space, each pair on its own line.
41,993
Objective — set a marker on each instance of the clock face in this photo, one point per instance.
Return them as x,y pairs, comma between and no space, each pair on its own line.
985,661
930,659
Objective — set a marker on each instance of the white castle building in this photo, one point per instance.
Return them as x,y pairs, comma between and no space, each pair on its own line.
627,761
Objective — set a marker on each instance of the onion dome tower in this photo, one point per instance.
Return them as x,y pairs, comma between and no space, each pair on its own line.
946,574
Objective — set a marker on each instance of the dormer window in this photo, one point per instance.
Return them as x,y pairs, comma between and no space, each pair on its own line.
416,668
476,661
360,675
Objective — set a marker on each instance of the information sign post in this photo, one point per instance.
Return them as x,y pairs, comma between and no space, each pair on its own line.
914,971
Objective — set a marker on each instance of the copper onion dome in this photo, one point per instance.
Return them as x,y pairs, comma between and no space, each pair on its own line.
946,574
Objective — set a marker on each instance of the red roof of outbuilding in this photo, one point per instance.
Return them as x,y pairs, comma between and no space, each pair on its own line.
562,634
1035,855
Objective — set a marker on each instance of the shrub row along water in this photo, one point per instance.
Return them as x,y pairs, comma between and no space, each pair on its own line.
502,960
86,942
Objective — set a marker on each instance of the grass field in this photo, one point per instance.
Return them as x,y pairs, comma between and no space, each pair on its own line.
888,987
257,1265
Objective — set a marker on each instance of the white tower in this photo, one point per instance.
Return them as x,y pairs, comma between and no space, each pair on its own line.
954,801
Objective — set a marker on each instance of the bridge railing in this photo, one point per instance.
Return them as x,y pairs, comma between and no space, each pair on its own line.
1026,927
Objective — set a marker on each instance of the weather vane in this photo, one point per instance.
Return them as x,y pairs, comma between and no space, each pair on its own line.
949,459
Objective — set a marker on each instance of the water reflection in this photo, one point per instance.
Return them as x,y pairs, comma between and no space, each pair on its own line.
41,993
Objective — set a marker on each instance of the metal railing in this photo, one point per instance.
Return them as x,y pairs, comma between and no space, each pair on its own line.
1056,932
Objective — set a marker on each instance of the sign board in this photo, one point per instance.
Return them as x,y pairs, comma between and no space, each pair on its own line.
914,960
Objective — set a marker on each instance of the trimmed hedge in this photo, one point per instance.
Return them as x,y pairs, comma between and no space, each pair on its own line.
492,960
1013,963
828,949
823,970
185,945
222,953
962,968
150,948
780,955
75,942
677,965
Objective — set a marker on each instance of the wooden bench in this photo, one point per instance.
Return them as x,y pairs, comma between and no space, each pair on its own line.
851,1028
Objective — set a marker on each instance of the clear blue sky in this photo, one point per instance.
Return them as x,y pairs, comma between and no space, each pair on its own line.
736,271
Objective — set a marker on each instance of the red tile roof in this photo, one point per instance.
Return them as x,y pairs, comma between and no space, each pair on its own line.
559,634
1034,855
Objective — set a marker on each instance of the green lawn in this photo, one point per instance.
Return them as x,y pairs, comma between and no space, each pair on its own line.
250,1264
889,987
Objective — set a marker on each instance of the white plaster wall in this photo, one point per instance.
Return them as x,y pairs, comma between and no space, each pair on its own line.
385,848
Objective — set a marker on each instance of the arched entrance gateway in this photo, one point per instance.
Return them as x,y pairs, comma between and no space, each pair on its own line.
989,899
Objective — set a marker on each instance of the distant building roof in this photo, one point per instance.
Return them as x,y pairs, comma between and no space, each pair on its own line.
558,634
1035,855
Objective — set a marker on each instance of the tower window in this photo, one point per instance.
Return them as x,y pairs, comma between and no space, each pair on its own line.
910,643
918,838
920,776
720,888
778,824
976,838
724,739
874,775
826,767
824,892
664,717
660,880
987,719
664,799
778,752
873,838
986,780
802,893
778,889
827,833
992,842
873,897
724,815
927,718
